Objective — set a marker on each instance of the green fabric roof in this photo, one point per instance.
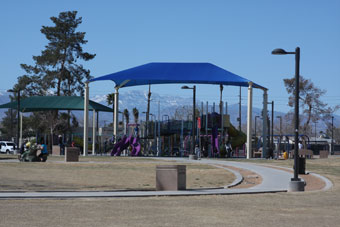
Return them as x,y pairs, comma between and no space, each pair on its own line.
43,103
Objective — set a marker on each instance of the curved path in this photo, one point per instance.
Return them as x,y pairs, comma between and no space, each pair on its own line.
273,180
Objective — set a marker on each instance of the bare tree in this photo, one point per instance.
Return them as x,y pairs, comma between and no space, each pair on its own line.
312,106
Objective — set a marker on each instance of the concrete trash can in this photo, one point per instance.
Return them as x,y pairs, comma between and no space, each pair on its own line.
170,177
72,154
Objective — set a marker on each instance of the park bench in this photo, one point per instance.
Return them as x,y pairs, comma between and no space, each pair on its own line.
257,154
306,153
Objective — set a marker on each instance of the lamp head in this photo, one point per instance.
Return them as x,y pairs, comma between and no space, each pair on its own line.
279,51
185,87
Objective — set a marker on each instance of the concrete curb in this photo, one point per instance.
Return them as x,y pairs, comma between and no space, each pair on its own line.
237,181
74,195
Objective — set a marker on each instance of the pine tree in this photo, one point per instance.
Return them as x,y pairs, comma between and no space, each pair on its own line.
57,69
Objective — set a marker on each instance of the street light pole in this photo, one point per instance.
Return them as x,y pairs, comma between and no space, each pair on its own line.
295,184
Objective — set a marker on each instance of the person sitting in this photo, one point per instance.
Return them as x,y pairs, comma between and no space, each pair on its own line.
43,153
24,155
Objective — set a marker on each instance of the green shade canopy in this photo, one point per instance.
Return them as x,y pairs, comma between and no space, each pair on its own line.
43,103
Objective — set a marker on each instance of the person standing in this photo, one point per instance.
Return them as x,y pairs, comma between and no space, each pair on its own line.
198,151
300,145
61,144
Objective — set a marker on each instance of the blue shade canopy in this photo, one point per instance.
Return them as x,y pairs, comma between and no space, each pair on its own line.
176,73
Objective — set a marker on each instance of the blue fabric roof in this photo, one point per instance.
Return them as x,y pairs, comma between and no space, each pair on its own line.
167,73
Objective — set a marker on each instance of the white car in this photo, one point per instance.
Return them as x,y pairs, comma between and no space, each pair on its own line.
7,147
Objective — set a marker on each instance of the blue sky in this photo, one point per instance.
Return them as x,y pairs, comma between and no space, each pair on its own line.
236,35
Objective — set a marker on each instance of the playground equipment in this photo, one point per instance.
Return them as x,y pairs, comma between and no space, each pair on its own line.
176,136
124,144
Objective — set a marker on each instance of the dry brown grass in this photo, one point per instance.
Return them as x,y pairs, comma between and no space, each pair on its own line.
100,173
281,209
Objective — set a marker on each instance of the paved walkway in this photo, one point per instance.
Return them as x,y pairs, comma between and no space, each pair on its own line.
273,180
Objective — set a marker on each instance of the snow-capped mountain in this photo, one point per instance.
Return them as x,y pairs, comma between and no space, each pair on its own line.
168,105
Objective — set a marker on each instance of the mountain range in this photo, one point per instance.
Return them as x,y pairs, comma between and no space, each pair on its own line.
168,104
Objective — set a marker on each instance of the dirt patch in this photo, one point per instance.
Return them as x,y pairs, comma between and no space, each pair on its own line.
250,179
313,183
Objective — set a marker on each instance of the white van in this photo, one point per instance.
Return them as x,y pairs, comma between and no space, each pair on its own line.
7,147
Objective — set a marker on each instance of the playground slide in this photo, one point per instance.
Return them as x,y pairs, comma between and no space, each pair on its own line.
120,146
238,138
136,147
124,146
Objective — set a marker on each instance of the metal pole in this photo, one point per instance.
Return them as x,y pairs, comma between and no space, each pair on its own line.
297,91
181,138
193,142
264,131
295,184
206,119
20,140
272,136
86,119
147,119
116,109
239,113
200,140
332,148
159,131
280,134
18,123
94,132
249,121
221,114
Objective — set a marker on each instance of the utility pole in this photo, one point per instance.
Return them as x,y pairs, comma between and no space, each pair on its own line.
239,112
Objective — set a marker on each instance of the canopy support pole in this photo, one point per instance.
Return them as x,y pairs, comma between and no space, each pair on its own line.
265,120
20,138
222,115
86,119
249,120
94,132
115,123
